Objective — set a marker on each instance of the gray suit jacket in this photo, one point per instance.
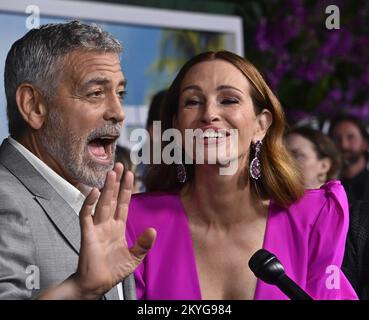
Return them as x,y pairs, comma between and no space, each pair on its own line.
39,232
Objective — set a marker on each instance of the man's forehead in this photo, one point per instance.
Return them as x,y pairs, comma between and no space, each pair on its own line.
347,127
86,66
78,56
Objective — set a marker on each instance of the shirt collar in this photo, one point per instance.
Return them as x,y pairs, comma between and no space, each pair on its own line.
66,190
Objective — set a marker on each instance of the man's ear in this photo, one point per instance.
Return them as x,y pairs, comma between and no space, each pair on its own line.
31,105
264,120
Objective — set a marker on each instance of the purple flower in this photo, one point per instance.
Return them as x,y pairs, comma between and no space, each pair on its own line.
361,50
298,48
314,71
364,79
273,80
283,31
336,43
296,114
262,41
335,94
297,8
326,107
360,111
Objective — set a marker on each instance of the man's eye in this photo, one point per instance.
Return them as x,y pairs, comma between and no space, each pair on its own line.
95,94
122,94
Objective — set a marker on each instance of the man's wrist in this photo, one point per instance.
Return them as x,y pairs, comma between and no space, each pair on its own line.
79,291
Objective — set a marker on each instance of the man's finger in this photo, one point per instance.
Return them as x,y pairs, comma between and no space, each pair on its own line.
118,168
124,196
143,244
103,209
85,214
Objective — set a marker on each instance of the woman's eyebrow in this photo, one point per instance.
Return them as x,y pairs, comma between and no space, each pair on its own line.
219,88
191,87
223,87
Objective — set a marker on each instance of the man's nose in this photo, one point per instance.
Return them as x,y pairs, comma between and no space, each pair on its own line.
114,110
343,144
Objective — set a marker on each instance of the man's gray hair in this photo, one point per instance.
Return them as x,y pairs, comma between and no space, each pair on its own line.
37,57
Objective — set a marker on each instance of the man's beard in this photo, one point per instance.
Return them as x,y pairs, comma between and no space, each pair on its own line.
350,158
71,150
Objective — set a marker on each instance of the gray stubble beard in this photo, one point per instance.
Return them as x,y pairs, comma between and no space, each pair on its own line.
69,150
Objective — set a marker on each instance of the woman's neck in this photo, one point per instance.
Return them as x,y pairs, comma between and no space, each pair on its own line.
220,200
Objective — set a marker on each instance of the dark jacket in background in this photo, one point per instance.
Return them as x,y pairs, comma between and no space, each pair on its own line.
357,188
356,261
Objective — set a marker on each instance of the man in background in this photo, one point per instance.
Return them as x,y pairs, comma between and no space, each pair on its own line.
352,139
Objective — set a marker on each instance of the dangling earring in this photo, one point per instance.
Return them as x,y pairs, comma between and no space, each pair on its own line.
180,168
255,166
181,172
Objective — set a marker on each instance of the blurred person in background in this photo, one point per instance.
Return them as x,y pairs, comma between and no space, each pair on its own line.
316,155
122,155
351,138
153,115
356,260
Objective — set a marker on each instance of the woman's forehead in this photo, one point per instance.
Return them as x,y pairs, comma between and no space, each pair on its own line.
216,72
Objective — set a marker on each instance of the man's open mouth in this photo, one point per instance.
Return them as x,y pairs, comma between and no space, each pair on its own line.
101,148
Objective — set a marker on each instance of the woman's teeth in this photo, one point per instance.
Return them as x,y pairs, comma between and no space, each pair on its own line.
212,134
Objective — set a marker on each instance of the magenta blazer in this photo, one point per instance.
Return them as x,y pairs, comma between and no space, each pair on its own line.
308,237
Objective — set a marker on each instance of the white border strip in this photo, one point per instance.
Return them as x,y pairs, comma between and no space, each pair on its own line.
135,15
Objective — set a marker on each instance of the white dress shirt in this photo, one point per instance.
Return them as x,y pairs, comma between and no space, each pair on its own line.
66,190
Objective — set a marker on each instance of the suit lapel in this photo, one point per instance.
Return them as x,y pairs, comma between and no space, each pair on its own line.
56,208
64,218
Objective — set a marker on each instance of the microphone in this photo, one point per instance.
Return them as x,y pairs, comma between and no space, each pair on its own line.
268,268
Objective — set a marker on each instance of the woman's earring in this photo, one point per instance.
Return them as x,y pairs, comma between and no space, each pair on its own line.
181,172
255,166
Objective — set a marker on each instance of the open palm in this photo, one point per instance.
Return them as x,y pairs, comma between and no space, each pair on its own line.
105,259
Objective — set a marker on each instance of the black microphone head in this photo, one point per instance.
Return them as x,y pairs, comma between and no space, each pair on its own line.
266,266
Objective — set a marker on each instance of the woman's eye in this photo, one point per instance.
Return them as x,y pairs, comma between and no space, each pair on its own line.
228,101
299,156
192,102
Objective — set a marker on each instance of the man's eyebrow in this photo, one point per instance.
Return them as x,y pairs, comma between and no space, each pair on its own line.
101,81
123,83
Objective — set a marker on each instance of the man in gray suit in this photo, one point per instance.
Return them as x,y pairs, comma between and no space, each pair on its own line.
63,202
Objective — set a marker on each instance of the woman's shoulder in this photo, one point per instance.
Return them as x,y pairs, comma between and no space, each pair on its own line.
332,188
330,198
